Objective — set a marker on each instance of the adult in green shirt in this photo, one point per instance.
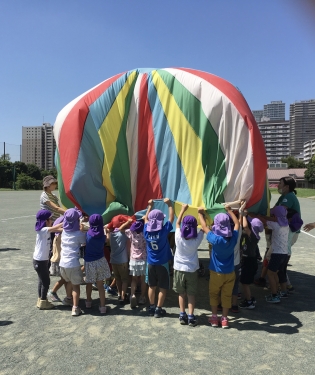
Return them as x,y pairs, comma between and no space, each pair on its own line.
286,188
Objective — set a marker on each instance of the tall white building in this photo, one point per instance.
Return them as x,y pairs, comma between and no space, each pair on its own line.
38,146
309,151
275,111
276,136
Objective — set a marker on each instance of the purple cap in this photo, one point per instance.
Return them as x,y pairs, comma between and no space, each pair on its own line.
280,212
96,225
257,227
222,226
189,227
137,226
296,222
58,221
156,219
71,220
41,217
79,211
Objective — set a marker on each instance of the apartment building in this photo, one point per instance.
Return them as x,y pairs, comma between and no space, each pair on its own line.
275,111
302,125
276,136
309,150
38,146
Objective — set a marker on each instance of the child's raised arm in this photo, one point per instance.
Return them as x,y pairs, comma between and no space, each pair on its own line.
180,216
125,225
57,228
170,210
201,213
233,217
150,205
245,223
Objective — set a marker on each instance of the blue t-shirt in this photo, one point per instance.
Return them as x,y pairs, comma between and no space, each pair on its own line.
94,248
222,255
158,247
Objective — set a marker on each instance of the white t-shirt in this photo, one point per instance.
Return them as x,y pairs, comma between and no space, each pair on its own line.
70,248
42,245
237,255
186,255
279,237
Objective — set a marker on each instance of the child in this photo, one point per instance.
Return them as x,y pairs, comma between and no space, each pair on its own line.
221,266
43,230
137,263
70,269
186,265
119,254
56,250
249,241
159,253
279,255
96,266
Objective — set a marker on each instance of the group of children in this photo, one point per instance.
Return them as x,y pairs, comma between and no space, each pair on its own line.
140,251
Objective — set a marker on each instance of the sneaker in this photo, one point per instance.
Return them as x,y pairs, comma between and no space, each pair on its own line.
260,282
290,288
133,302
283,295
76,311
151,310
253,299
102,309
192,321
224,322
214,321
159,312
142,301
88,304
67,301
53,297
235,309
219,308
247,304
183,319
110,290
94,286
272,299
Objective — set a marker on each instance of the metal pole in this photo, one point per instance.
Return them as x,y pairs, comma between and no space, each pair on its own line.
20,152
3,151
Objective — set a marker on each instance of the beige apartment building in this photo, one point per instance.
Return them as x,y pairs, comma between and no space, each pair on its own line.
38,146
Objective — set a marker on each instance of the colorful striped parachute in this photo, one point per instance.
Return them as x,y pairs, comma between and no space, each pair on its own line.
177,133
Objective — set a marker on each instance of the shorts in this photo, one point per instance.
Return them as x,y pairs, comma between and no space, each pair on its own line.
237,280
277,261
249,269
121,272
185,282
97,270
74,275
282,274
137,267
159,275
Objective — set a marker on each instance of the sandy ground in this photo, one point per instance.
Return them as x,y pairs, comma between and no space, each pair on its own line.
273,339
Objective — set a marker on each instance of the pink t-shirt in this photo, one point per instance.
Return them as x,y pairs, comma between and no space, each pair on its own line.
138,245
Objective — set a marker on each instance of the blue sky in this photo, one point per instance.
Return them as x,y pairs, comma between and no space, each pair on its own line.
53,51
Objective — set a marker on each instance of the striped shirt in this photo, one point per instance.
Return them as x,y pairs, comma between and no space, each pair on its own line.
45,197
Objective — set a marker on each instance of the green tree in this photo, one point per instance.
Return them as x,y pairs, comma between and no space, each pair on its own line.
26,182
33,171
6,176
310,171
5,157
293,163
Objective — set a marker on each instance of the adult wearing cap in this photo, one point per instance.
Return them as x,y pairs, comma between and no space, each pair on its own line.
48,200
